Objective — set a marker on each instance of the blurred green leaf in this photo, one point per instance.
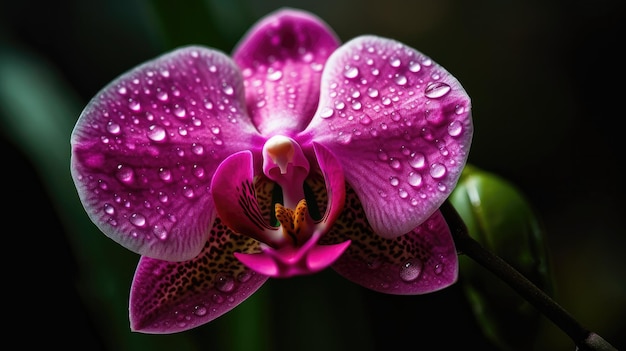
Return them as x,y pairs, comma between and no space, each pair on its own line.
499,217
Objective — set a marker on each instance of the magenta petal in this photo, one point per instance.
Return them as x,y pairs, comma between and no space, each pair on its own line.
422,261
169,297
236,202
401,126
145,148
290,261
335,186
282,57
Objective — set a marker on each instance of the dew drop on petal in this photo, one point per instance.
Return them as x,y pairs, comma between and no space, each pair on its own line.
411,269
394,181
455,128
417,160
224,283
156,133
351,72
200,310
165,174
436,90
326,112
415,179
273,75
400,79
125,174
109,209
197,149
188,192
414,66
372,92
227,89
137,220
437,170
113,128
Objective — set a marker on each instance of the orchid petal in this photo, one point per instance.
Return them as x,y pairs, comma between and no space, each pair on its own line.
236,202
282,57
145,148
335,186
400,124
423,260
291,261
170,297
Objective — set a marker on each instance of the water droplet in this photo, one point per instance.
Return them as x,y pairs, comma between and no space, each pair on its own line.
188,192
227,89
455,128
137,220
134,105
351,72
165,174
372,92
394,163
244,276
156,133
417,160
162,95
224,283
198,171
403,193
326,112
411,269
437,170
436,90
122,90
180,111
109,209
356,105
273,75
394,61
197,149
200,310
365,120
113,127
394,181
414,66
125,174
438,268
400,79
415,179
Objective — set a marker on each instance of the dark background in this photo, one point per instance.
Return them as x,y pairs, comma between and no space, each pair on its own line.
547,85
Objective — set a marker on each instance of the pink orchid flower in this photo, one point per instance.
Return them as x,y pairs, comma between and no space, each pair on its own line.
296,154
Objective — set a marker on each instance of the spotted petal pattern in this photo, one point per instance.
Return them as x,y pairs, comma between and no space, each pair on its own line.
422,261
403,125
169,297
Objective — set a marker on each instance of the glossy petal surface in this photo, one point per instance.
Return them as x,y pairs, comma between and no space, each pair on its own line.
401,126
170,297
145,148
236,201
282,58
422,261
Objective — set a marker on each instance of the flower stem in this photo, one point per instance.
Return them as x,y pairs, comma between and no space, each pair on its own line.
584,339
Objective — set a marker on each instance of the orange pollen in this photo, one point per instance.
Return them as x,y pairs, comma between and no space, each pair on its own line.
293,222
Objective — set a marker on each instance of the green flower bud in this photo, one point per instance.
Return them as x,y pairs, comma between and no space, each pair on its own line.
500,218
